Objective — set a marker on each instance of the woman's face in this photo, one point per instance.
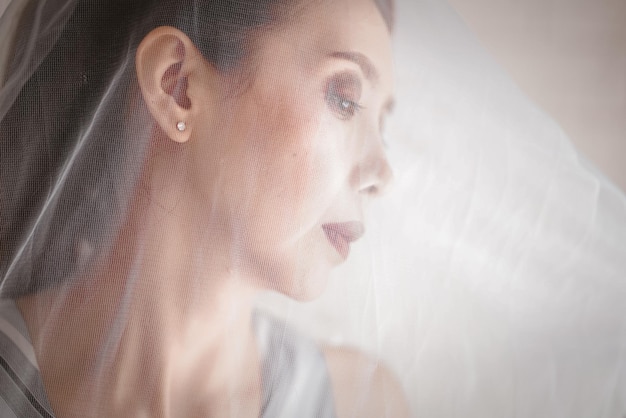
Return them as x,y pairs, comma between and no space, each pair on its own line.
286,167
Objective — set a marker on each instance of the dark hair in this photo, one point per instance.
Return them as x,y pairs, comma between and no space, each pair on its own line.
55,218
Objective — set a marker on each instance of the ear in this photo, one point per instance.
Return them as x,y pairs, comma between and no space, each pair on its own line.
168,66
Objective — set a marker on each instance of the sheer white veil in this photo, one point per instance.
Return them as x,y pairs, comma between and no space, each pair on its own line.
495,280
51,16
492,279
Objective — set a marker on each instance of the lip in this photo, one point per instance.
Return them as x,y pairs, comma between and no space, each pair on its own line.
342,234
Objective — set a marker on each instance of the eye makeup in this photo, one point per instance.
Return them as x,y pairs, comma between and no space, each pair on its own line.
343,92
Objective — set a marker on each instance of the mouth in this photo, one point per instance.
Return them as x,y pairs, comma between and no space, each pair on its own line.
342,234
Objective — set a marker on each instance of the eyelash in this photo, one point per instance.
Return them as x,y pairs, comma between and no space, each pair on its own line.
338,101
345,107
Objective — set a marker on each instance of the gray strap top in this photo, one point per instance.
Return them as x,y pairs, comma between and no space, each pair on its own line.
295,376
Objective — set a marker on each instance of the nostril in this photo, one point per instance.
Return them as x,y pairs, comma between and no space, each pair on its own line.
372,190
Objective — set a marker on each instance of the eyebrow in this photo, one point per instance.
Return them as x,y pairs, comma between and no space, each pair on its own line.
369,70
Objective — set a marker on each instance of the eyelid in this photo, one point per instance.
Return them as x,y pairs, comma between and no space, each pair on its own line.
346,83
365,65
343,92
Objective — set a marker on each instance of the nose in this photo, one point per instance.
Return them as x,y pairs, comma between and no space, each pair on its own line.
374,175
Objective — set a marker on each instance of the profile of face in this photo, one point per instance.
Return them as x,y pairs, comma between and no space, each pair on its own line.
283,170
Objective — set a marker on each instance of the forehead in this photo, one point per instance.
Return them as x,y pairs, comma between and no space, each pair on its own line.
334,29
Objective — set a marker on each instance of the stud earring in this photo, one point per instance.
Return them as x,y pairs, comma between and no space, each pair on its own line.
181,126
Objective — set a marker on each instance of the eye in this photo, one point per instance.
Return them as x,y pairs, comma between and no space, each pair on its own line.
343,92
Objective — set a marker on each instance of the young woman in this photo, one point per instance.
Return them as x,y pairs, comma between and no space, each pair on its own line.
163,161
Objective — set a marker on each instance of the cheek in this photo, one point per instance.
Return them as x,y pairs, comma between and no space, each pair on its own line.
281,169
301,158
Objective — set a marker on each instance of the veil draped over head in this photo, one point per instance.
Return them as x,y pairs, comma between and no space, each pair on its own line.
490,282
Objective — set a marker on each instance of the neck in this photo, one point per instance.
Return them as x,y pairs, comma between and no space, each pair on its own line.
147,334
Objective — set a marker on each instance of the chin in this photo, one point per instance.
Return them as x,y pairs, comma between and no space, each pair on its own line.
299,271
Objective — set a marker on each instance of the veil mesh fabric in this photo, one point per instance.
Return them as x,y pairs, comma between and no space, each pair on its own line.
490,282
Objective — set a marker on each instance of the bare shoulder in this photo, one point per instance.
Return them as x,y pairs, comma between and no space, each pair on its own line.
363,386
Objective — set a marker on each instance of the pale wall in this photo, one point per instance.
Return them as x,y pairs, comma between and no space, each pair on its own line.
569,56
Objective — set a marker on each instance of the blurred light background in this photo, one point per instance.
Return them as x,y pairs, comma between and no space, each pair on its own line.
569,56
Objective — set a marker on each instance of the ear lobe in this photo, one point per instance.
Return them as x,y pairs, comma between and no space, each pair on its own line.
164,60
